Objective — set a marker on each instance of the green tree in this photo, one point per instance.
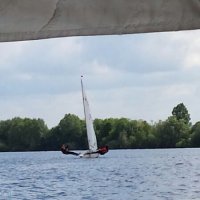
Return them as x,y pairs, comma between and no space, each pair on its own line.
195,136
181,113
22,134
118,136
172,133
4,127
70,130
3,146
103,129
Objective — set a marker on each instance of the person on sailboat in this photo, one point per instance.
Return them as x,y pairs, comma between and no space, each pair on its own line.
65,150
101,151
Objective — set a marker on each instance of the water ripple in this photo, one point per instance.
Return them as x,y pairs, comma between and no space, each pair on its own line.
122,174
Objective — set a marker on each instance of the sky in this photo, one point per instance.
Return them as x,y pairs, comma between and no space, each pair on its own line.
137,76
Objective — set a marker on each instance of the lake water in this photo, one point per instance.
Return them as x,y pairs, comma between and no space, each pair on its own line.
168,174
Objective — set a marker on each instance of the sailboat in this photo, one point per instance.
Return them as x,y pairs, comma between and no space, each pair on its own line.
93,151
92,141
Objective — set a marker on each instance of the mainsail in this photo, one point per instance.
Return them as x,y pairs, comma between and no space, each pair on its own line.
92,141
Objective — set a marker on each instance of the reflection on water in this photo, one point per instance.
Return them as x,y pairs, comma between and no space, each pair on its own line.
120,174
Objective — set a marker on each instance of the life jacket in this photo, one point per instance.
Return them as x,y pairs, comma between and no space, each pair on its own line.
103,150
64,149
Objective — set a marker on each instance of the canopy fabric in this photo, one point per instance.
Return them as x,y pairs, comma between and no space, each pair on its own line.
31,19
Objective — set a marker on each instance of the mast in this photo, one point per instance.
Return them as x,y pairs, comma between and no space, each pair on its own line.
83,96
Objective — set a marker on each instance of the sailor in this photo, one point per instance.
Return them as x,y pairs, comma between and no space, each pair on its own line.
65,150
102,150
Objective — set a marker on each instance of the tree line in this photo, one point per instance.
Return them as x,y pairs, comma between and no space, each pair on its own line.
24,134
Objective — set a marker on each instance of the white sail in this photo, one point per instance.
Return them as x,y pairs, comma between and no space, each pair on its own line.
92,141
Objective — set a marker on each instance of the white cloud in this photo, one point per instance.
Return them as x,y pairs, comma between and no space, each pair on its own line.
187,42
64,50
137,76
10,52
51,108
192,59
179,90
